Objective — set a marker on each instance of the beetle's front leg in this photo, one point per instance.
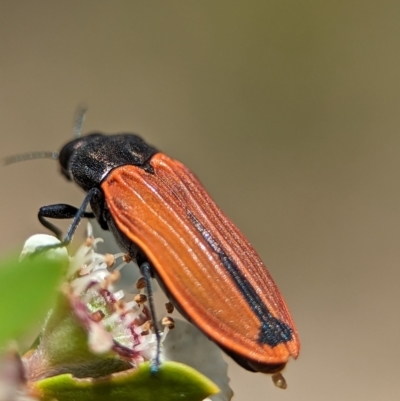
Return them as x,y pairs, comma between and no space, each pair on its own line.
58,211
63,211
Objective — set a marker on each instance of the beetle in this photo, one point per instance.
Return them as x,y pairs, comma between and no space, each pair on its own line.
162,216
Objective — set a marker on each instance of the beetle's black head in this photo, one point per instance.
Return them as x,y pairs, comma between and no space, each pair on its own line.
87,160
69,149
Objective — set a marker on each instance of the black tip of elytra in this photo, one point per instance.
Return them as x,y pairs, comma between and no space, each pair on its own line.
274,332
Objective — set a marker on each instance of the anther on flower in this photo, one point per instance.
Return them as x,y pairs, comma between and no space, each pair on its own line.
168,322
141,283
169,307
140,299
127,258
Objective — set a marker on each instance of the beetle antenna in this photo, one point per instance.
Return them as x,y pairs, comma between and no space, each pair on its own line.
30,156
80,115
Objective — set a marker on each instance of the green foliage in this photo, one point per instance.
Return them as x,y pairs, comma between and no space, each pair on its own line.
28,289
174,381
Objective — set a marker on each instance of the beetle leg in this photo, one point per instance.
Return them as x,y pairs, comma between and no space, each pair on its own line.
145,269
63,211
58,211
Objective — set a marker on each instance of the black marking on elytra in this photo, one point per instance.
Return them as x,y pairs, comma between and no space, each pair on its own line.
272,331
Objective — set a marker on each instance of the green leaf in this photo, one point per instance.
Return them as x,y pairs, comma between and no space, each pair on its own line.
27,291
173,381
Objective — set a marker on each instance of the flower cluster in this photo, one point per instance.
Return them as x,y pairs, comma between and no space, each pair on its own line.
95,330
117,325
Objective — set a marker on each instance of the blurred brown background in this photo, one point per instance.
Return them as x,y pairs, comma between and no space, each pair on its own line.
288,111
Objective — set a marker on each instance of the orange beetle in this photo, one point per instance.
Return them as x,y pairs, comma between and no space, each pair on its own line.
162,216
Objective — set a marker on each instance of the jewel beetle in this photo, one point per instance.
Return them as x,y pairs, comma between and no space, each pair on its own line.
162,216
